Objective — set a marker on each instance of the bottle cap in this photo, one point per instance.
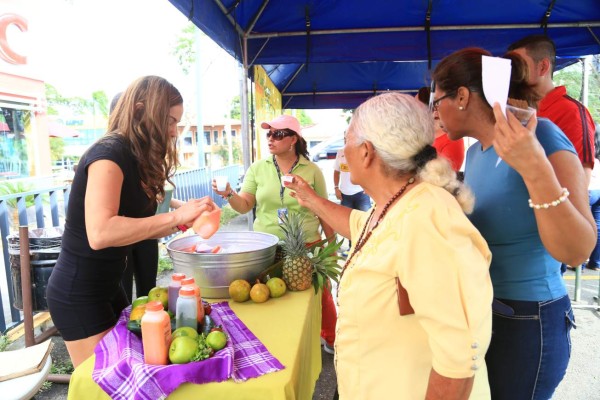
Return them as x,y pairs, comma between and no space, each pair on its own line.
187,291
188,281
154,306
177,276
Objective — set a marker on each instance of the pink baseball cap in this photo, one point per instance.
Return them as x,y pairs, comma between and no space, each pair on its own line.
284,122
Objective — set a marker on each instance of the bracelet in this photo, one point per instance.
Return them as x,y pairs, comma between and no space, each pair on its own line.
563,197
229,195
336,187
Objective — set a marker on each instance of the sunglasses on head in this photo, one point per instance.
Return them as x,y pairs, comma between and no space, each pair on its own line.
279,134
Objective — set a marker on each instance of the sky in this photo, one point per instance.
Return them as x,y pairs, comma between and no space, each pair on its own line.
82,46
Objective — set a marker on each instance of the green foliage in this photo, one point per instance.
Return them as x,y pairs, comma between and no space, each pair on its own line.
325,262
57,148
16,187
77,105
164,264
302,117
185,48
227,214
223,152
60,368
347,112
100,103
236,108
572,78
4,342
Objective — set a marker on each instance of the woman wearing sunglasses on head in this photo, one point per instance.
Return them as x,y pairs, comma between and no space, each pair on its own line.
262,188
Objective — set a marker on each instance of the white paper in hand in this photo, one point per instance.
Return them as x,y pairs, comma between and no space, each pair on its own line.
495,74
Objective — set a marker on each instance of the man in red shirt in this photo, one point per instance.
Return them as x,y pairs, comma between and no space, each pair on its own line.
569,114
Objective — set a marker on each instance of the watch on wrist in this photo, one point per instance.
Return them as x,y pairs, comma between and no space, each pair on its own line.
230,195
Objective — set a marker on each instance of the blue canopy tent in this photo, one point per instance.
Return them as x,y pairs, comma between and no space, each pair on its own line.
337,53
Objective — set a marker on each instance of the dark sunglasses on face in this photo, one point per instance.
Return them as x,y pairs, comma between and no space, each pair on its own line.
279,134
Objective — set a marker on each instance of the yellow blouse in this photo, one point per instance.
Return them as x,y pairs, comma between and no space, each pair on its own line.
441,259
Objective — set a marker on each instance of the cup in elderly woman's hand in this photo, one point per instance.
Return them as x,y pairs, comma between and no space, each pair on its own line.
522,114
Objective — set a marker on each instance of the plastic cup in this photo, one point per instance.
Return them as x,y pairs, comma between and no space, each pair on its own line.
221,182
286,178
522,114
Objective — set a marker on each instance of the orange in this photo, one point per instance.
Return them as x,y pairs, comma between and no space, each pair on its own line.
137,313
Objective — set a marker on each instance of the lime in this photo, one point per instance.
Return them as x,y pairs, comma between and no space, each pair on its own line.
216,340
139,301
182,349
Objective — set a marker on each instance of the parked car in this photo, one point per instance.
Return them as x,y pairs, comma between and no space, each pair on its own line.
327,149
323,154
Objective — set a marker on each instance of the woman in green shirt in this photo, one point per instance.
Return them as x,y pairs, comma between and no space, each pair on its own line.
262,188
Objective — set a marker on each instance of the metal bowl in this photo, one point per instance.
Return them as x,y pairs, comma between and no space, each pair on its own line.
245,255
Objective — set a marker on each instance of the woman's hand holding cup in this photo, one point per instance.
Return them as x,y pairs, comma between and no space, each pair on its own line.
222,193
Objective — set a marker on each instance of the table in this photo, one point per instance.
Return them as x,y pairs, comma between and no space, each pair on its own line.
25,387
289,327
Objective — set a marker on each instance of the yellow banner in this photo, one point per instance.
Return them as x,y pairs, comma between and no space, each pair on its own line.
267,105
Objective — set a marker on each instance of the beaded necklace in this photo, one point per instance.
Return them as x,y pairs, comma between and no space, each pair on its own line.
361,241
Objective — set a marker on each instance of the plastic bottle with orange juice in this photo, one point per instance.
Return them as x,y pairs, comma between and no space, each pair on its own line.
190,281
156,334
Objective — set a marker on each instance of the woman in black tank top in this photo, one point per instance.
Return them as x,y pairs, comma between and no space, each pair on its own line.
112,205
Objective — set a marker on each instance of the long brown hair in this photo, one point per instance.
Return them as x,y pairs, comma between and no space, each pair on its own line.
142,116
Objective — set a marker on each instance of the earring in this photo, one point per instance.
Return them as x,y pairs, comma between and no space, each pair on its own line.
291,147
461,108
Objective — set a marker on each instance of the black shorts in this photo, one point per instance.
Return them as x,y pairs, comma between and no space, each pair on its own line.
85,296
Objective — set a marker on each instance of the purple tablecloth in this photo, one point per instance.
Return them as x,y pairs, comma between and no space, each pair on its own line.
120,370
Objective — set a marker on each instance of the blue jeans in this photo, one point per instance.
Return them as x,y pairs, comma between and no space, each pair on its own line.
359,201
530,348
595,205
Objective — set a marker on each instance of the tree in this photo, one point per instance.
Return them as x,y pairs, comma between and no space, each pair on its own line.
185,48
223,152
236,108
100,103
57,149
572,78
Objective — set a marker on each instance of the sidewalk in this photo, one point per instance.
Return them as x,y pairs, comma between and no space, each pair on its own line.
582,381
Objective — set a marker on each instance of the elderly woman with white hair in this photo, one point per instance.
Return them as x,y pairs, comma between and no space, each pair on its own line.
414,298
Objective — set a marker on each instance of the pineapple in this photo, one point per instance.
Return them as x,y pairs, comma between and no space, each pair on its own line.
325,263
303,266
297,266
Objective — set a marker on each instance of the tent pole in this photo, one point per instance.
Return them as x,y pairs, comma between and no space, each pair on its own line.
350,92
583,24
246,137
293,78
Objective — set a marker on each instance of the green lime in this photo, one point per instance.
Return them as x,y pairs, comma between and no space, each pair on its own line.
216,340
139,301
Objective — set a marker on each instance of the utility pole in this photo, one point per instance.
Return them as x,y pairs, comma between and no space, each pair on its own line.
199,123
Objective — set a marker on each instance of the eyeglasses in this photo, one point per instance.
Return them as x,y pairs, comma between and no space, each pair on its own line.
435,103
279,134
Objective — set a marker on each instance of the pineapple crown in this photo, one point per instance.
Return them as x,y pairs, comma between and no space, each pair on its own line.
294,242
325,262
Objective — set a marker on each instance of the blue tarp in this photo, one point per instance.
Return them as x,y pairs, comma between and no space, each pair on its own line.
354,48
